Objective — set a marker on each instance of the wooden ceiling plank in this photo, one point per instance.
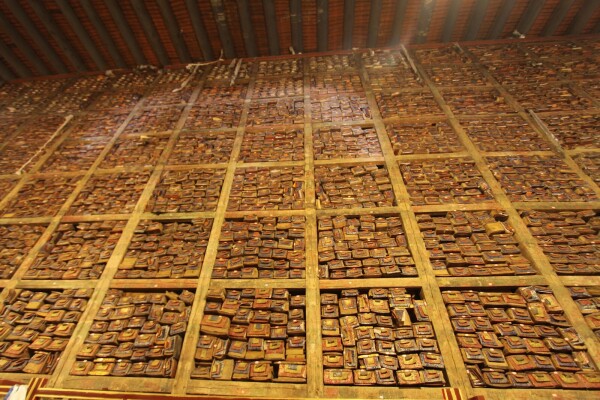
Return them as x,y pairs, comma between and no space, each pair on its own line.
223,28
374,21
5,73
82,34
398,22
9,57
58,35
476,19
247,28
424,20
174,30
150,31
501,18
529,16
200,30
451,18
92,15
296,22
322,24
119,19
583,17
39,40
348,23
23,45
559,13
271,24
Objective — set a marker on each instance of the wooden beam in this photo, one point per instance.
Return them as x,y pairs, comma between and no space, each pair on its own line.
226,41
348,23
296,22
531,13
586,12
174,30
117,15
11,58
82,34
501,19
5,73
247,28
559,13
23,45
200,30
39,40
374,20
56,33
451,20
476,19
398,22
322,24
150,30
424,21
271,24
92,15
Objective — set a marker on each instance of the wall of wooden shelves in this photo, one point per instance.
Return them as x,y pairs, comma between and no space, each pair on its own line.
320,89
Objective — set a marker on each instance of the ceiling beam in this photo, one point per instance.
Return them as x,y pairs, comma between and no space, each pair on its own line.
150,30
501,18
247,28
531,13
56,33
11,59
476,19
451,20
271,24
586,12
322,24
5,73
92,15
23,45
117,15
200,30
40,41
226,41
296,22
174,30
374,19
558,14
80,31
348,23
424,21
398,22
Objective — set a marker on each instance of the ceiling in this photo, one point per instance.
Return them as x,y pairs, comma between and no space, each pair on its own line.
46,37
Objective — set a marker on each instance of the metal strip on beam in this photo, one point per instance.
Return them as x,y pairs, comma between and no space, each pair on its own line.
451,20
559,13
583,17
501,19
296,22
56,33
348,23
424,20
247,29
12,60
174,31
92,15
271,23
87,42
150,30
6,73
322,24
23,45
224,34
398,22
39,40
476,19
531,13
117,15
200,29
374,19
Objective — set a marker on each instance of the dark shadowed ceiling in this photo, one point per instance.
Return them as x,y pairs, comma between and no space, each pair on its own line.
45,37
